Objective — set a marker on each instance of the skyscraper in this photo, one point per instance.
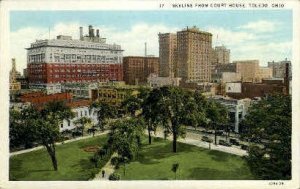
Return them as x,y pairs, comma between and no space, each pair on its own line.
194,55
167,54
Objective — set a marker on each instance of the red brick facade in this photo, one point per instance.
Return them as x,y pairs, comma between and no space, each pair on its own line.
60,73
138,68
38,99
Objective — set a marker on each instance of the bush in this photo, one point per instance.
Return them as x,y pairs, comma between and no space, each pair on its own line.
114,176
114,161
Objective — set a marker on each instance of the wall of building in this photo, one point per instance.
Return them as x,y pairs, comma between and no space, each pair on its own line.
137,69
167,54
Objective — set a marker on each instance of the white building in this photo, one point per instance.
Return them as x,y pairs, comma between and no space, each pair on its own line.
80,111
237,109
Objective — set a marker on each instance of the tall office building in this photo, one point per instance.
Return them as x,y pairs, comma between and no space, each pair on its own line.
194,55
167,54
65,60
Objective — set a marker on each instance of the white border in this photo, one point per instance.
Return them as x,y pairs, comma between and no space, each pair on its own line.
6,6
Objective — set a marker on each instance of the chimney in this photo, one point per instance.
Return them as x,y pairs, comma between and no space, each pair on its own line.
97,31
81,33
13,64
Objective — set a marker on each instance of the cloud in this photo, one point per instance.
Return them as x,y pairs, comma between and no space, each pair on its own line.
132,40
229,37
260,26
243,44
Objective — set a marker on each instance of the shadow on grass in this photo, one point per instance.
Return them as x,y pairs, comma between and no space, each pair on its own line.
218,156
207,174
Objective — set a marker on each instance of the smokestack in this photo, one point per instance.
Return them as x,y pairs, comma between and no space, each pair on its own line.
90,30
145,49
97,33
81,33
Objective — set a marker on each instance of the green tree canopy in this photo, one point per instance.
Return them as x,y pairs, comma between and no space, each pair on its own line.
269,123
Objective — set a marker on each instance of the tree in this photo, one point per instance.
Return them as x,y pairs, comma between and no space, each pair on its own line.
269,124
131,105
217,115
42,125
125,137
83,121
171,110
104,112
149,104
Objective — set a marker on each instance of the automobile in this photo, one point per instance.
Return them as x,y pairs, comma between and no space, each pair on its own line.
220,132
224,143
234,142
207,131
244,147
206,139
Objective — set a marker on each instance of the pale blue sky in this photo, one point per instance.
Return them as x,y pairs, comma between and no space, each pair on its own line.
256,30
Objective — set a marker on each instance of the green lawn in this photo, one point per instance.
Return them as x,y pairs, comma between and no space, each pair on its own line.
73,162
155,163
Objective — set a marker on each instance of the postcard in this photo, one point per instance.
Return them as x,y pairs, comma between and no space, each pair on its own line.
166,94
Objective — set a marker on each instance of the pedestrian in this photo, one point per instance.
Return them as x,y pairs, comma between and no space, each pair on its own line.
103,173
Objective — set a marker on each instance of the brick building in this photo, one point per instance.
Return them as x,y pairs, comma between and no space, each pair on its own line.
137,69
38,99
62,60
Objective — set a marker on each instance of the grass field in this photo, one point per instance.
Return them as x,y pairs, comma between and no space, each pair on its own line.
73,162
155,163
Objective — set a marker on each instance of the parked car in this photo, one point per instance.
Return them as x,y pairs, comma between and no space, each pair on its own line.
206,139
244,147
207,132
220,132
224,143
234,142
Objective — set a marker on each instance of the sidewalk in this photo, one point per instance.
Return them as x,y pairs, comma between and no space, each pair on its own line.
193,140
108,168
58,143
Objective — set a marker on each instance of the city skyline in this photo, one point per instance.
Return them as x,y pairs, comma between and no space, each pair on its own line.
262,35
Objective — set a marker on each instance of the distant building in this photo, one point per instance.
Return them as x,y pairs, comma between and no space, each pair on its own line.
253,90
137,69
14,85
237,110
249,71
224,77
113,95
39,99
186,54
155,81
63,60
279,68
167,54
221,55
79,90
80,108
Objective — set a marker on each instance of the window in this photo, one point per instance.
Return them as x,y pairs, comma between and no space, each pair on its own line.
69,123
61,125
